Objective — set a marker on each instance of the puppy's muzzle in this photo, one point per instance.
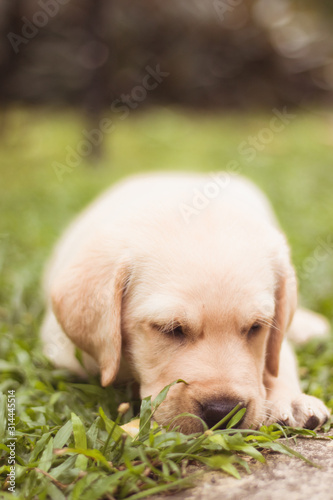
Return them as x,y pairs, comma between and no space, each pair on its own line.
214,410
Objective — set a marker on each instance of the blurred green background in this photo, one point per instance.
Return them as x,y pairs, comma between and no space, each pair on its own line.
294,169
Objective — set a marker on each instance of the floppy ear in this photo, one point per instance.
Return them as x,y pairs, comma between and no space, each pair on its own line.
87,300
285,306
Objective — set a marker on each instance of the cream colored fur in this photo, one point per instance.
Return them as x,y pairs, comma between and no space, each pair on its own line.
151,255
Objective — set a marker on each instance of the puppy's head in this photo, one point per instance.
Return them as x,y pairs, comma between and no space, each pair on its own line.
210,309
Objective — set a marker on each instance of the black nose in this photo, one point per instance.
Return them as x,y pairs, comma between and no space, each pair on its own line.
216,409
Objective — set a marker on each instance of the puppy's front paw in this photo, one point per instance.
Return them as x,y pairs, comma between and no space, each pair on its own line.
299,411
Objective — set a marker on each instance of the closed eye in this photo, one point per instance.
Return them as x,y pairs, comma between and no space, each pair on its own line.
174,330
177,332
254,329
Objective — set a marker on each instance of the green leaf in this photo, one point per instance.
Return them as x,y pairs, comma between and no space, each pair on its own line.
252,452
236,418
258,438
90,390
282,448
110,425
95,454
164,392
226,418
11,367
219,439
40,445
6,496
83,484
175,485
223,462
47,457
54,492
63,435
145,417
80,440
3,413
148,408
92,433
66,471
236,443
79,431
4,448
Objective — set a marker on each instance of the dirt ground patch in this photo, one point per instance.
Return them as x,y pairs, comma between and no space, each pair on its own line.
280,478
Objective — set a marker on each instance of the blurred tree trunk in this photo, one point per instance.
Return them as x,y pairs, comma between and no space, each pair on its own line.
100,63
9,62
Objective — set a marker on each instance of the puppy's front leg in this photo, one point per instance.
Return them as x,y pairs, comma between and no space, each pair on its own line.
286,402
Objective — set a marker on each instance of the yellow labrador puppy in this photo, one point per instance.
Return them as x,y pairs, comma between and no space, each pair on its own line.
183,276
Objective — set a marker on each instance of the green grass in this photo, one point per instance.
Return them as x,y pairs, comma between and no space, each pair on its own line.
54,410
